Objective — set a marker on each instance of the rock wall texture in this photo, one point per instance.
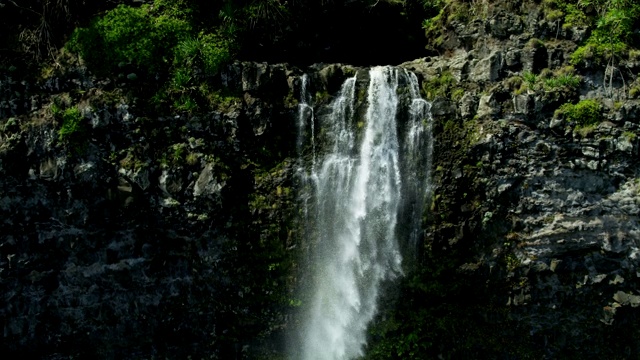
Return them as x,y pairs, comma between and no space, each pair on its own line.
534,211
144,234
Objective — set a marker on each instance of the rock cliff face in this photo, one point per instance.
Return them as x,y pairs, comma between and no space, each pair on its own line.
534,210
167,235
141,234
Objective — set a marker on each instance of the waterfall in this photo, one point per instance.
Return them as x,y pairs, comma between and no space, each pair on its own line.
369,173
305,116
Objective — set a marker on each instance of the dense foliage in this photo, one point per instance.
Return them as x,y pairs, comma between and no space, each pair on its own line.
125,34
272,30
179,45
612,23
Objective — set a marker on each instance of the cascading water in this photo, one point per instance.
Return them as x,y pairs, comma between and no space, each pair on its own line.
369,174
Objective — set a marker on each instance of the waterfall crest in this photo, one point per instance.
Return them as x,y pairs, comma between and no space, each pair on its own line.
369,174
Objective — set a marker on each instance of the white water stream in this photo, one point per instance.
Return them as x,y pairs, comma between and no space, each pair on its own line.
370,171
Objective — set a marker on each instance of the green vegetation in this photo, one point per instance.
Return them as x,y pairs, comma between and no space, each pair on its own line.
155,39
443,85
530,80
10,125
611,24
441,12
322,97
141,36
204,54
585,115
566,13
55,109
535,43
185,103
629,135
634,89
612,38
72,132
511,261
613,35
72,125
562,81
220,99
180,45
162,39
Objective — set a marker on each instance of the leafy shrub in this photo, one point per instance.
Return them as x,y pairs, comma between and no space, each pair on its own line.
56,110
629,135
585,113
612,22
535,43
433,28
597,52
567,12
207,53
195,59
215,51
178,9
554,15
575,17
266,13
158,39
181,81
128,35
613,33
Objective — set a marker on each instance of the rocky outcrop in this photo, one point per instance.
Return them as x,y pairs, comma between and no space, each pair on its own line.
147,227
539,211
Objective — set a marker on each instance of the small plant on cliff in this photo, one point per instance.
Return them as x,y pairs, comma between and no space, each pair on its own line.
56,110
563,81
72,125
530,80
634,89
185,103
585,115
205,53
195,60
437,15
221,100
439,86
629,135
567,13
